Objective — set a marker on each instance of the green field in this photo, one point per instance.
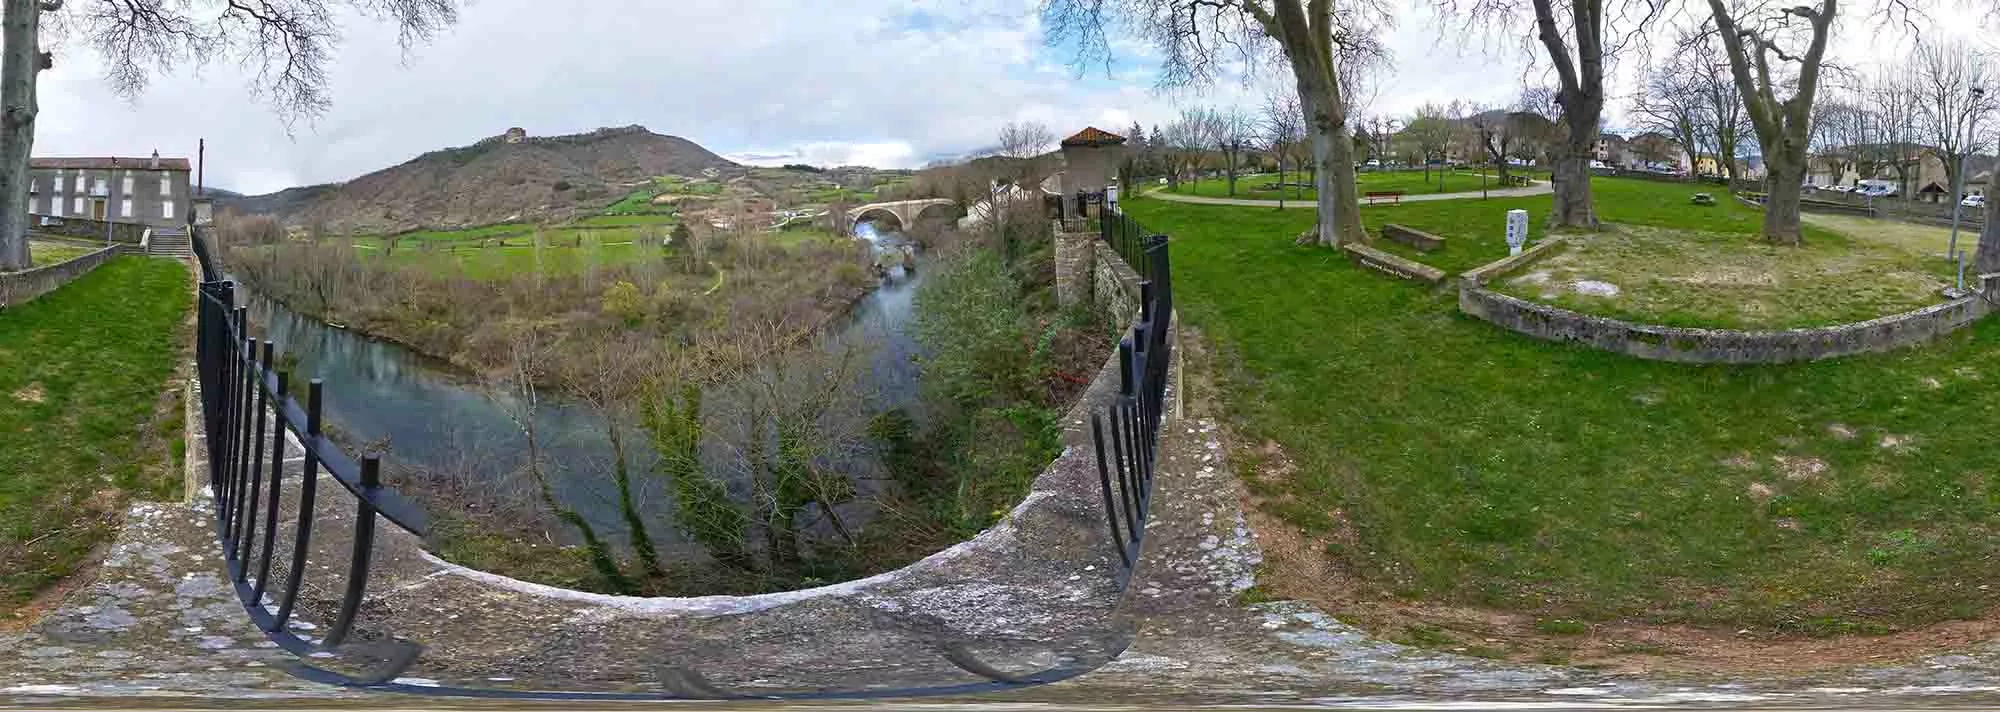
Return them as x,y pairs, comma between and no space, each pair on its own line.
48,253
1439,458
566,250
640,201
1251,187
82,371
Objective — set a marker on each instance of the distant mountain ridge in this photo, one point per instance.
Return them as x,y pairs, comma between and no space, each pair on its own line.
501,178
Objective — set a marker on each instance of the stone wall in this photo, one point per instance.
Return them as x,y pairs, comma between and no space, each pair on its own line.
87,229
18,288
1422,241
1087,270
1691,345
1490,271
1392,265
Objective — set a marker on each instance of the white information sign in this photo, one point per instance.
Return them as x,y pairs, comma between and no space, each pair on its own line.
1517,230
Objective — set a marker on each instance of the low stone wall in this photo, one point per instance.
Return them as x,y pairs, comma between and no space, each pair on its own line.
1490,271
1392,265
1422,241
1089,270
18,288
1692,345
87,229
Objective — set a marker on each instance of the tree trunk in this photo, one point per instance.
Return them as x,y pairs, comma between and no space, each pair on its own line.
1283,185
1570,176
1987,258
1232,174
1500,162
1781,205
19,65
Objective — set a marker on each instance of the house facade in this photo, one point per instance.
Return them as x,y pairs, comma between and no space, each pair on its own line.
150,191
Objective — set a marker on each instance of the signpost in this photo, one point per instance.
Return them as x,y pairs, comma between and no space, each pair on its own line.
1517,231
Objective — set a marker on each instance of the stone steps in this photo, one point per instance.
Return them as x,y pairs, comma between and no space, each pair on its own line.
174,244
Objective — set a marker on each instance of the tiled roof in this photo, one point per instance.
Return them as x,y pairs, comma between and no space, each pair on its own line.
1093,136
95,163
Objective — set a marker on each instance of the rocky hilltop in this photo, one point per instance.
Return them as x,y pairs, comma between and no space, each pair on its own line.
511,176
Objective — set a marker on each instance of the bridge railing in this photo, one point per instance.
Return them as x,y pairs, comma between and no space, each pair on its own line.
1127,238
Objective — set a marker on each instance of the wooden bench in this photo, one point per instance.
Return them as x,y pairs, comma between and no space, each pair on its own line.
1393,196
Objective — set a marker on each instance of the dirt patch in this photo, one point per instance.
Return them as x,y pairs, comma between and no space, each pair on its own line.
1761,492
1839,431
1800,469
31,394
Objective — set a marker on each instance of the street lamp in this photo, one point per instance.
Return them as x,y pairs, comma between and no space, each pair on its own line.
1958,181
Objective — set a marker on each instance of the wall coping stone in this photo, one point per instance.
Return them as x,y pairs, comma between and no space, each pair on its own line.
1392,265
1422,241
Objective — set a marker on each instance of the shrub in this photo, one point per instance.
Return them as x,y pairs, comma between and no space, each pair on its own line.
624,301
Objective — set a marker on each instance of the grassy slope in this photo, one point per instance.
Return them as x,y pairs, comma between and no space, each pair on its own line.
81,370
1442,458
49,253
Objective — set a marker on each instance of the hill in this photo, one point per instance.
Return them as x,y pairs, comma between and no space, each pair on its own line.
498,179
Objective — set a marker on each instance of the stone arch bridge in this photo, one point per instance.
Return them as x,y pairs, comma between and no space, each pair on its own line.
906,212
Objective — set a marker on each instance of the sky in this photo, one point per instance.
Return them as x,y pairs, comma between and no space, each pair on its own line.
887,83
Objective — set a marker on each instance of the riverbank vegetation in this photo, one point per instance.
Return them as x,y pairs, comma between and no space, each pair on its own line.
462,309
794,469
89,416
1420,456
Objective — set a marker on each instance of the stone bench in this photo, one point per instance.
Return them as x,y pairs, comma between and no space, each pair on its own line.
1392,265
1422,241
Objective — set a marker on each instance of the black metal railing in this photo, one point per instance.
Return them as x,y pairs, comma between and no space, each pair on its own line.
1127,434
1129,239
252,421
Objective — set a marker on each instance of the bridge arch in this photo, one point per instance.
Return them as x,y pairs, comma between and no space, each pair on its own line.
906,212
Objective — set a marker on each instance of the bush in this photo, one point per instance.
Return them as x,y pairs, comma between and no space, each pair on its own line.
624,301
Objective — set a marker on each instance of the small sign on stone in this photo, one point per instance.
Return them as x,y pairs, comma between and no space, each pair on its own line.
1517,231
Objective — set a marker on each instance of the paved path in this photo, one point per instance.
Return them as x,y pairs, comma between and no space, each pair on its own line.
1541,188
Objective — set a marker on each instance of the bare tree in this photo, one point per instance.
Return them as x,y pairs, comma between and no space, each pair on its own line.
1782,125
1234,134
1430,132
1315,38
1893,100
1672,102
287,42
1654,147
1578,41
1284,135
1956,84
1188,140
1725,124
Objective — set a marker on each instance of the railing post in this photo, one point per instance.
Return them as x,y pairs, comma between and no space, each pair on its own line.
271,509
308,486
247,530
1104,483
364,547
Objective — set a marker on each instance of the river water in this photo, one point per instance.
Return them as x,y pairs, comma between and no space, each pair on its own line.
434,420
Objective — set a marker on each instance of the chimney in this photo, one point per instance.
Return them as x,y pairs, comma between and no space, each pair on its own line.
156,160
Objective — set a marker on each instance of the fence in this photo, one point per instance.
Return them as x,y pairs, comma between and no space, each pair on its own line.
1127,435
250,418
1129,239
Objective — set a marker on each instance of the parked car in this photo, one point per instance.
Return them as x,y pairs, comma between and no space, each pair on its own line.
1841,188
1973,201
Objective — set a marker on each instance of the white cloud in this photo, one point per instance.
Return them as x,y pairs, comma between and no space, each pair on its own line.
891,82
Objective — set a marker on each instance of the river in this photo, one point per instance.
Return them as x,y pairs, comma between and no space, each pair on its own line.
437,421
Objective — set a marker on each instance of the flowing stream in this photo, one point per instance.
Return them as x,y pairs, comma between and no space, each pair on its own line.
431,416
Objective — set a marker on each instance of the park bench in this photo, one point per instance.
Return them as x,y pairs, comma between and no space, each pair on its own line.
1393,196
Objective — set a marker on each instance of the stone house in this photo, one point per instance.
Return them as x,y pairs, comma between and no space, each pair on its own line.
151,191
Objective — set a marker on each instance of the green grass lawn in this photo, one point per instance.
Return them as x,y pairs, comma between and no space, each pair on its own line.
48,253
1441,458
82,370
1250,187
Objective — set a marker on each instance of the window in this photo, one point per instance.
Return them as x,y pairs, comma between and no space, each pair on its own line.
166,184
34,185
166,208
127,186
126,209
99,188
77,206
79,181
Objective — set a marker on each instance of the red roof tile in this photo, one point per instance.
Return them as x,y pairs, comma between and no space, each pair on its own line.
107,163
1093,136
